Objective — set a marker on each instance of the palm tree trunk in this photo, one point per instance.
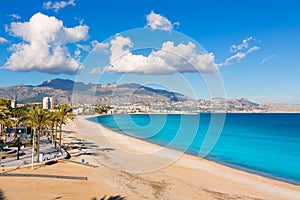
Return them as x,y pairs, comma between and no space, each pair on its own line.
38,145
33,138
3,132
55,136
52,133
60,130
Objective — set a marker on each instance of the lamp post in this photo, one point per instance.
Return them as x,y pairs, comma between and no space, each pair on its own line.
18,136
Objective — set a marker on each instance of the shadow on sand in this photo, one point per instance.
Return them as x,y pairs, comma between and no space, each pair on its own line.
117,197
2,197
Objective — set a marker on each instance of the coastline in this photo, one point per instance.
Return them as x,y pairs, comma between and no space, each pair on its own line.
234,166
188,177
188,161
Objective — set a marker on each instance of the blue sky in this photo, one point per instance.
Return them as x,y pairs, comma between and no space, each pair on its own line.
268,73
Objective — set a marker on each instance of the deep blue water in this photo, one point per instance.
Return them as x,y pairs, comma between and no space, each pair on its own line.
266,144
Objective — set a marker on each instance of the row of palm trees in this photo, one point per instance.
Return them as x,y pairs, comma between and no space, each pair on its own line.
39,119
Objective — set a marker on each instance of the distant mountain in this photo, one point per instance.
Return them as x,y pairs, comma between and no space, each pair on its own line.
61,84
280,107
63,90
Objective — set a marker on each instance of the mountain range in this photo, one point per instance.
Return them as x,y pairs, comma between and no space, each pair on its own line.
63,90
68,91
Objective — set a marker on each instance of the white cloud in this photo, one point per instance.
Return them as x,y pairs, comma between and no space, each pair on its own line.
84,47
93,46
3,40
44,45
80,20
98,46
176,24
56,6
6,27
159,22
77,54
266,59
236,57
14,16
234,48
241,51
252,49
169,59
96,70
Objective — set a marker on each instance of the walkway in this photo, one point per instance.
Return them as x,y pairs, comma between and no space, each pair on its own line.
46,148
45,176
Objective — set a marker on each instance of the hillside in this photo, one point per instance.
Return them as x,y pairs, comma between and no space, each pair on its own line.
64,90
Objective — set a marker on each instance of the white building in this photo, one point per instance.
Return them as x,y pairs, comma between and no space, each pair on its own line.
48,103
13,103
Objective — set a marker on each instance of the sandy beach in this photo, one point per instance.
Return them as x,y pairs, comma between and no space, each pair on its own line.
134,169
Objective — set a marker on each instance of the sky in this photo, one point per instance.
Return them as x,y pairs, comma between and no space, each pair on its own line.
200,48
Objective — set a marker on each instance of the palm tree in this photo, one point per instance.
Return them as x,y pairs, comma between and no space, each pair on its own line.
64,113
54,126
4,119
37,118
19,114
5,102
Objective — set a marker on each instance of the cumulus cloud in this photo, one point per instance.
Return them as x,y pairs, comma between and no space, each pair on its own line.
159,22
3,40
56,6
44,45
14,16
266,59
169,59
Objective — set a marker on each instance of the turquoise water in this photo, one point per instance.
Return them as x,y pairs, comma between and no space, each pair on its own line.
266,144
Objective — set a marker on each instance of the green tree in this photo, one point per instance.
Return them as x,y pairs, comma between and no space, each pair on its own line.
5,116
4,120
102,109
37,118
19,114
64,114
54,126
5,102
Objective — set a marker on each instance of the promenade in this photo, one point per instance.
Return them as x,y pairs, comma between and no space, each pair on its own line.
47,152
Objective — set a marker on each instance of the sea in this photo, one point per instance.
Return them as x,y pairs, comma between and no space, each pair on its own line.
263,143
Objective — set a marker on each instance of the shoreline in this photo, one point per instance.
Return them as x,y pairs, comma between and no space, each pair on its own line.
197,113
193,162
